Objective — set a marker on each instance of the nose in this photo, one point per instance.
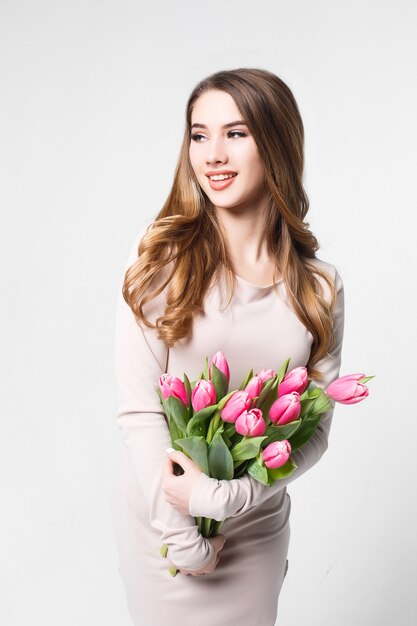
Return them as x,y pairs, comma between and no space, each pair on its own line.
216,151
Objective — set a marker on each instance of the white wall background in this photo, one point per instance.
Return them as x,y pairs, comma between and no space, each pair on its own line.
92,113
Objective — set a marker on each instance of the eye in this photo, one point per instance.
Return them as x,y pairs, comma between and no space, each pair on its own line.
239,133
195,136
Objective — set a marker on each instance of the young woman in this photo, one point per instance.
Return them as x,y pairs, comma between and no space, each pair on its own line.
227,264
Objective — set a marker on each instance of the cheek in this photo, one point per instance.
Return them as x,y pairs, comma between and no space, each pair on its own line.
253,164
255,168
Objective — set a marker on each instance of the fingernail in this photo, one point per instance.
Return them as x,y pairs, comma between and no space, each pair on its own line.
169,450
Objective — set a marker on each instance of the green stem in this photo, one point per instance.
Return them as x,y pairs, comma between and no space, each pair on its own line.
209,436
213,426
206,527
216,421
216,527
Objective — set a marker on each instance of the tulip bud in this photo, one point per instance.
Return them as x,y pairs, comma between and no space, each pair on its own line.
172,386
203,394
236,404
347,389
250,423
276,454
220,362
265,374
295,380
254,386
286,409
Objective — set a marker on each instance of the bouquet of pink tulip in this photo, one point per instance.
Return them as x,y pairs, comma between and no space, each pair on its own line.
253,429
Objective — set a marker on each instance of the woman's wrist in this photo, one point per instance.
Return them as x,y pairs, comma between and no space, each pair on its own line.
207,498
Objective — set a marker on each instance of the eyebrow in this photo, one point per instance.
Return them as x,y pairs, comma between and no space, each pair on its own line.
236,123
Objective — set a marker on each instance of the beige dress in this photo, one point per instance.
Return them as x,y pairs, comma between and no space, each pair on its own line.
258,329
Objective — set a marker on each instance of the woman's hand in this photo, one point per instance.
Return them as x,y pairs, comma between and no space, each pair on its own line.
217,542
177,489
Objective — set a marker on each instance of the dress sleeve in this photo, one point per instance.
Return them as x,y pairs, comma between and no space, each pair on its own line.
220,499
140,358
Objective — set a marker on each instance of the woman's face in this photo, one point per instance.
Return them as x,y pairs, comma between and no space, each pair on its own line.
219,144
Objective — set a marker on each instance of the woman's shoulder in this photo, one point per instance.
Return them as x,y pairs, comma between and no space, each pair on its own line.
155,307
330,270
133,253
140,233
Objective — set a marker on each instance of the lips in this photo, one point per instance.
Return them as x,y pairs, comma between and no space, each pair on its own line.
218,185
219,173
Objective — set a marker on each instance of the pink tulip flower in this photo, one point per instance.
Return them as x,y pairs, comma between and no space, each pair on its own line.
295,380
276,454
221,363
347,389
236,404
254,386
265,374
286,409
203,394
251,423
172,386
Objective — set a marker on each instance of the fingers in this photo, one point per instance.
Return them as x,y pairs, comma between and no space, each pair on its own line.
168,469
178,457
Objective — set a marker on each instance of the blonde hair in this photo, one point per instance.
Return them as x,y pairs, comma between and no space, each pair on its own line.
186,233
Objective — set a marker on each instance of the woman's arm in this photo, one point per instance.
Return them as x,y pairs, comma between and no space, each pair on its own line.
140,358
220,499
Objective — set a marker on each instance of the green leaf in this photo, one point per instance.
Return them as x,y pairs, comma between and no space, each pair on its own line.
198,423
226,439
306,405
284,471
306,391
306,431
220,382
158,391
268,396
235,438
219,458
283,370
187,386
315,392
279,433
258,471
229,429
174,432
242,470
365,379
196,448
246,380
321,404
264,391
247,448
175,408
206,370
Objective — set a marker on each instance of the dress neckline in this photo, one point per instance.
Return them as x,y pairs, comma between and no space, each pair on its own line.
260,287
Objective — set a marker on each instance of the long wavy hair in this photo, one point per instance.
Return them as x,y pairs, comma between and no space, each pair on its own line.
186,235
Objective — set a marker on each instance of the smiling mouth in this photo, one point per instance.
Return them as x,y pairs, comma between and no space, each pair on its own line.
223,182
216,177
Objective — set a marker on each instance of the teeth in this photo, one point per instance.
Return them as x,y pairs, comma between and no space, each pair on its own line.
221,176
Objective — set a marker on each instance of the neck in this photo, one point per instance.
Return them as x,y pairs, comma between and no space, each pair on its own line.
244,235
